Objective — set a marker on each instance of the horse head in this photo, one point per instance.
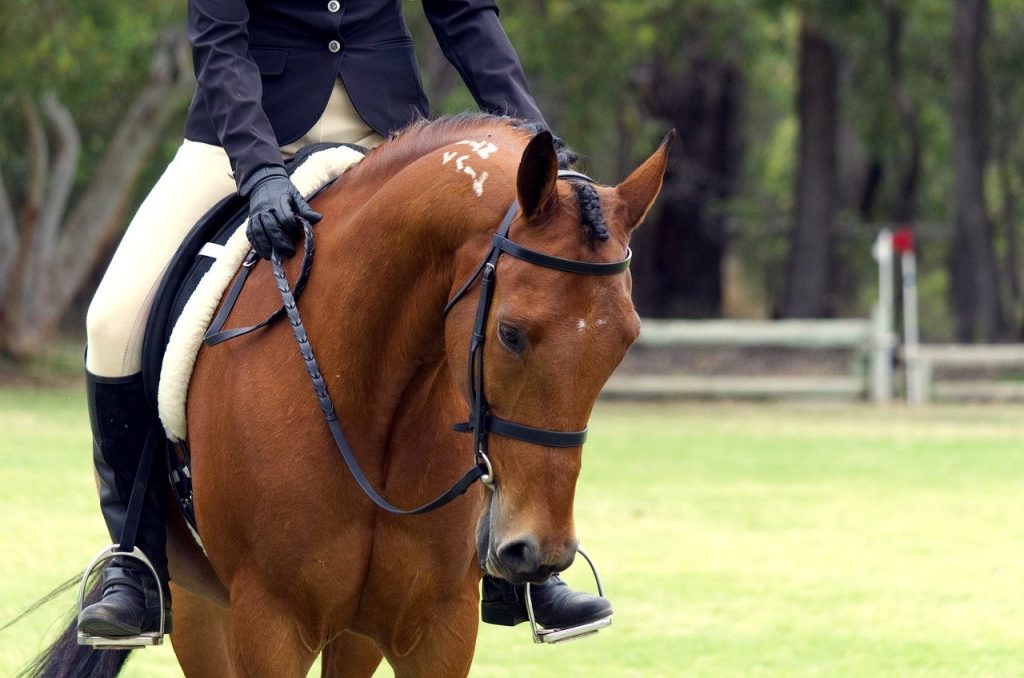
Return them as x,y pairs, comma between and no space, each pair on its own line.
549,338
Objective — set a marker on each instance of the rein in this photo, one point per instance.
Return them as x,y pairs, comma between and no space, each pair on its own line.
481,422
327,406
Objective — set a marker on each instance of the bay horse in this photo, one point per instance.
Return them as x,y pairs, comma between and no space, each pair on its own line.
298,561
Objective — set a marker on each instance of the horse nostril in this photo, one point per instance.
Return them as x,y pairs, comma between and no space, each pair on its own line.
520,555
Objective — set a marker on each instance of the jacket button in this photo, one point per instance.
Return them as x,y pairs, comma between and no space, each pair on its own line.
334,46
333,6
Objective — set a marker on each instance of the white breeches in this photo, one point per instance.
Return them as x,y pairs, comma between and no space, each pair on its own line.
196,179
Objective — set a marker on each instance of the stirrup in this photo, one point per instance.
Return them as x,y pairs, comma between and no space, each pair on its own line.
147,639
552,636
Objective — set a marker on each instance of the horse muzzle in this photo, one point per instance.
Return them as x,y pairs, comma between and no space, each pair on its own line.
521,555
520,559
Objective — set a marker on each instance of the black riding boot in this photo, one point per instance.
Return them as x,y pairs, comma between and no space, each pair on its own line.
130,602
555,605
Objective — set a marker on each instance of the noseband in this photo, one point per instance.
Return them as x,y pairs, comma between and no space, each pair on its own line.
481,421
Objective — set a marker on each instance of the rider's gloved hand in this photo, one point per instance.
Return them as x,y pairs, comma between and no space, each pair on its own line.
274,203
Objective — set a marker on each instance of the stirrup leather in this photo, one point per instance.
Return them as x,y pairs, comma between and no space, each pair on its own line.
147,639
552,636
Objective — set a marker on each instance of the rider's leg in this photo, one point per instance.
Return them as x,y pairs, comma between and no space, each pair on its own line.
130,602
197,177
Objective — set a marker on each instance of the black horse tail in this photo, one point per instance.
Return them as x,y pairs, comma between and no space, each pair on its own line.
66,658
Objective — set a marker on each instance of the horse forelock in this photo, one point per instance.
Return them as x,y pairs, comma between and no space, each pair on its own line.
591,215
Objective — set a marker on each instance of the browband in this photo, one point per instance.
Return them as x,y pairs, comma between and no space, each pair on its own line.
558,263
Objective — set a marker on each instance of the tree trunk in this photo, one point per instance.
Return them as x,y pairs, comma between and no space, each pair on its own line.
810,269
55,251
680,250
909,172
974,282
1012,263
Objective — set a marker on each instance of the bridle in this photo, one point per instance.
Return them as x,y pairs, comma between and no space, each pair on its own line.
481,422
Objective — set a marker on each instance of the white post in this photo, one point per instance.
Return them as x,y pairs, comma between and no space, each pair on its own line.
916,386
882,315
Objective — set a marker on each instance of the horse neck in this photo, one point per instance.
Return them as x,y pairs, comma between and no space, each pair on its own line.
379,316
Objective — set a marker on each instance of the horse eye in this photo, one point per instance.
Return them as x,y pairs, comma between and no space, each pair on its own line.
511,337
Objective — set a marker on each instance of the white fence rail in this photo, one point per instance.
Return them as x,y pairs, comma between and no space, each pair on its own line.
921,361
867,342
872,341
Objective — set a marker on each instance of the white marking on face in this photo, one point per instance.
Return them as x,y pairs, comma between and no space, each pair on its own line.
601,321
581,325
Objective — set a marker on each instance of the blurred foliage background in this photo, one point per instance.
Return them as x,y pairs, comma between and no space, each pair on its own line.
805,127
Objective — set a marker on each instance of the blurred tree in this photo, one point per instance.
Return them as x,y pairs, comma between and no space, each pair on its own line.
974,282
1007,63
811,267
82,112
699,89
908,172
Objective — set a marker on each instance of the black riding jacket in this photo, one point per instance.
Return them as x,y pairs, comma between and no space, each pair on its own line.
265,69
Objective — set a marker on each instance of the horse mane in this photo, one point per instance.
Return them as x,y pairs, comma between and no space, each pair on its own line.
424,136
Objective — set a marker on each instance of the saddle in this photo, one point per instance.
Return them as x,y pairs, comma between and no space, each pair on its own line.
195,257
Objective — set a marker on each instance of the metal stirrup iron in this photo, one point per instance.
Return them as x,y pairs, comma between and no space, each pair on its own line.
552,636
128,549
145,639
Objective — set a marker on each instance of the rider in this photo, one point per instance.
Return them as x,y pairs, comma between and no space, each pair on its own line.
272,77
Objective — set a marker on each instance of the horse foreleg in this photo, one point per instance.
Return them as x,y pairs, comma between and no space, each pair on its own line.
200,636
266,639
445,646
350,656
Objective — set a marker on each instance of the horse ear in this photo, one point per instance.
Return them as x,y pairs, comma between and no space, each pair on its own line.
640,188
538,172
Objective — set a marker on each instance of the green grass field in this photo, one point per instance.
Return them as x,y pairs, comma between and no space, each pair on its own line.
735,540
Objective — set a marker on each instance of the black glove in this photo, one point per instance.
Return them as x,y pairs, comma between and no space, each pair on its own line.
274,203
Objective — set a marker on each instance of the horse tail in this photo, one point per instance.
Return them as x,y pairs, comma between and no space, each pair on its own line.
66,658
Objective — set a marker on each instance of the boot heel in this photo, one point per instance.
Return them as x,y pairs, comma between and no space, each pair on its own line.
502,613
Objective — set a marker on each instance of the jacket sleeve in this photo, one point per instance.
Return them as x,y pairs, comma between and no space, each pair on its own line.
473,40
231,85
